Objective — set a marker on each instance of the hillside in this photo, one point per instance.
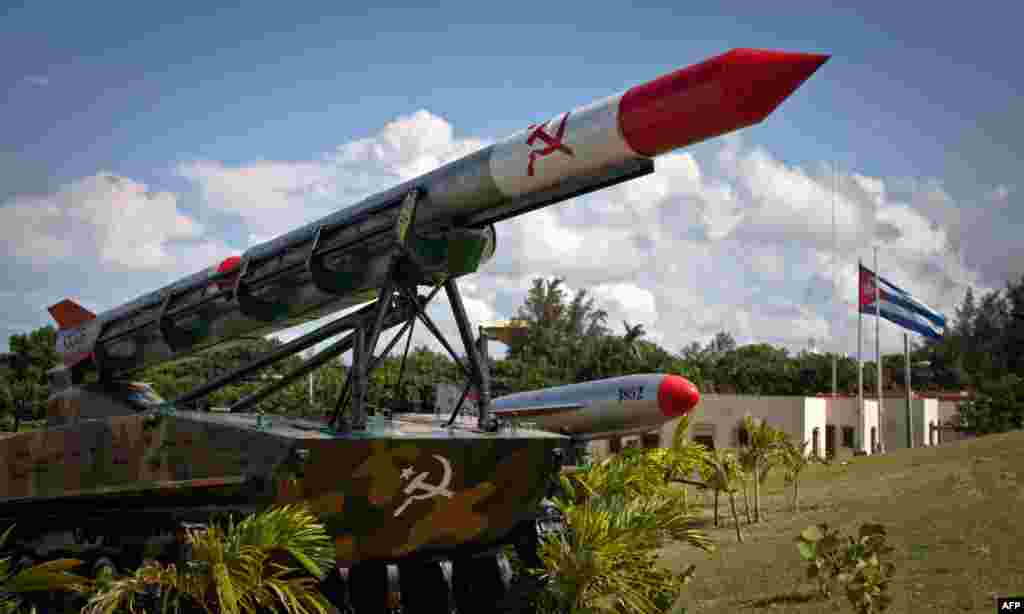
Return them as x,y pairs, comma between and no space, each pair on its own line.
953,512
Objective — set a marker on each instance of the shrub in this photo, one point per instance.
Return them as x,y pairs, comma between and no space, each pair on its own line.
858,566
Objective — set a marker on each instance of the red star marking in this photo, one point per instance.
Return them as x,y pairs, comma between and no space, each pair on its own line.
554,143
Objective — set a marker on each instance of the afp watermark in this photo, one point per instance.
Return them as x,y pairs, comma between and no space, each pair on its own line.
1010,604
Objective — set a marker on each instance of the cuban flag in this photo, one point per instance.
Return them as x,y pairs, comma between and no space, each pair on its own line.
899,307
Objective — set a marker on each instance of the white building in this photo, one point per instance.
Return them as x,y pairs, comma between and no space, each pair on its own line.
924,417
828,425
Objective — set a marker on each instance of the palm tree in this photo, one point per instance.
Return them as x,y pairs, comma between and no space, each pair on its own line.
722,472
45,577
747,463
270,559
633,334
795,460
607,560
764,442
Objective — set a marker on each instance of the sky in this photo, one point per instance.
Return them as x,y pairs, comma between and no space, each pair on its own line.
144,142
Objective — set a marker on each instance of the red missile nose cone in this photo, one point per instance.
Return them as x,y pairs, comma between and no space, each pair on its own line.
677,396
760,80
722,94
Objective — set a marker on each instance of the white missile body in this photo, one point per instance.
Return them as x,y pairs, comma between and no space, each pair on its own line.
604,408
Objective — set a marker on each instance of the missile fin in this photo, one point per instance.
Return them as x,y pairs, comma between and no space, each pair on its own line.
69,314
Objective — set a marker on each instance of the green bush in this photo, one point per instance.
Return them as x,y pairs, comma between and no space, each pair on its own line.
858,565
998,408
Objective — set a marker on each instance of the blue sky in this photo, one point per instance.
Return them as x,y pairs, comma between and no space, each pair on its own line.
922,98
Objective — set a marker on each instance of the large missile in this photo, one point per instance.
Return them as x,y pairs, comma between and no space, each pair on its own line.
444,218
604,408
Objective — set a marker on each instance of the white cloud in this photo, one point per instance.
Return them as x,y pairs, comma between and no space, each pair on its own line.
269,196
408,146
114,221
272,196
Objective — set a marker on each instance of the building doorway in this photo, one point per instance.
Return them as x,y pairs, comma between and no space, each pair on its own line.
816,442
705,440
830,440
874,439
848,437
651,440
704,434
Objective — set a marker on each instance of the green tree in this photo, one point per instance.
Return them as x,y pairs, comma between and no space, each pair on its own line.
722,472
26,382
762,453
794,460
632,338
618,515
998,408
1013,337
987,360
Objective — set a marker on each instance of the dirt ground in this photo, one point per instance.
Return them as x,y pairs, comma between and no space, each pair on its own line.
954,513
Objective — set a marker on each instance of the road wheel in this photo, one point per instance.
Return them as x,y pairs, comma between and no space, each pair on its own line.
426,588
368,588
481,582
334,587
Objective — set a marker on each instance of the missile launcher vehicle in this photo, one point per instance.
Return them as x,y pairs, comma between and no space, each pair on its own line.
118,471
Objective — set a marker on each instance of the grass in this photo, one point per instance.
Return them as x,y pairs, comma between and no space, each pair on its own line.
954,514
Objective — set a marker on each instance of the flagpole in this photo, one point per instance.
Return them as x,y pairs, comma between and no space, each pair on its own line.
835,280
860,366
878,354
906,366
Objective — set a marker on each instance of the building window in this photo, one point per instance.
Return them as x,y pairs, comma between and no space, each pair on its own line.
847,436
615,445
815,444
651,440
705,440
874,439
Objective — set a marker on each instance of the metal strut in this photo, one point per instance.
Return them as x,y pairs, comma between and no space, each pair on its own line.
278,354
396,314
401,368
422,314
375,362
481,373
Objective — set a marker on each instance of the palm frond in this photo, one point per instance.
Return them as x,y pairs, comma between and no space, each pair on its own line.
292,528
48,576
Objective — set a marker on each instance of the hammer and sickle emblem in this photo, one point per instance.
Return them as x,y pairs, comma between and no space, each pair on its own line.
427,490
554,143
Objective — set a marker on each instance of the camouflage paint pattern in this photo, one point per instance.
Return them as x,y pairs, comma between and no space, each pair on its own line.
399,488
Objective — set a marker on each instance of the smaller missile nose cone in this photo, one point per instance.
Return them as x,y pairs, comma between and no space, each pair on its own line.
677,396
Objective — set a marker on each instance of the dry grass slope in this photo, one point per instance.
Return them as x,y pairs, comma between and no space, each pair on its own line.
954,513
